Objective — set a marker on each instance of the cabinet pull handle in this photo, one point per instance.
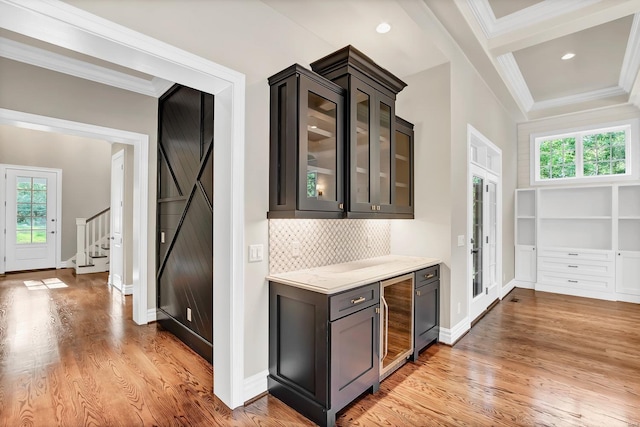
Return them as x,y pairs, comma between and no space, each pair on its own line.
386,327
429,276
573,254
418,293
373,207
341,206
572,281
358,300
572,266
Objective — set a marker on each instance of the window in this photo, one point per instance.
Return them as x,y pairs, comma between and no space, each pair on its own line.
602,153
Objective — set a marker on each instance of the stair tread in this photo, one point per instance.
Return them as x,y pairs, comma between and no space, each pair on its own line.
97,255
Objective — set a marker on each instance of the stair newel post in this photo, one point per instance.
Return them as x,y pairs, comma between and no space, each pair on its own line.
81,225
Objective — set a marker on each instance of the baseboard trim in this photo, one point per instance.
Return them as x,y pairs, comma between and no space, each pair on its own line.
525,285
507,288
628,298
128,290
451,336
152,315
255,385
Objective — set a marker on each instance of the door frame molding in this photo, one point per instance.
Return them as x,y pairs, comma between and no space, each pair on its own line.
3,213
64,25
123,286
477,140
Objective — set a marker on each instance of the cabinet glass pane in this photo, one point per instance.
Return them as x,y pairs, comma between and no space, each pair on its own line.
385,154
403,169
362,148
321,148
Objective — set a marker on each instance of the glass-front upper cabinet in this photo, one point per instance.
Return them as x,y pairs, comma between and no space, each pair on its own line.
371,146
371,134
306,146
403,160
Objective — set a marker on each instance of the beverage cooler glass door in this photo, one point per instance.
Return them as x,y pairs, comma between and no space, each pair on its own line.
396,322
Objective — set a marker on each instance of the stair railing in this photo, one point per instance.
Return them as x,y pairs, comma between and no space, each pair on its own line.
92,235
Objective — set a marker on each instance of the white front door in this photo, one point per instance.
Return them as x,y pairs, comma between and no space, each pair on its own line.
483,241
116,252
31,222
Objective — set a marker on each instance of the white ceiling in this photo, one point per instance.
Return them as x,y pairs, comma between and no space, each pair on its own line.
514,44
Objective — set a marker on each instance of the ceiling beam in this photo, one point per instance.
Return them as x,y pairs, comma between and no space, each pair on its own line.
559,26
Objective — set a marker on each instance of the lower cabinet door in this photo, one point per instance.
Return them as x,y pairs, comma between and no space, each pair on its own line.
355,358
426,316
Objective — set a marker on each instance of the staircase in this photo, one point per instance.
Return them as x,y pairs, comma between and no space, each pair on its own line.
92,240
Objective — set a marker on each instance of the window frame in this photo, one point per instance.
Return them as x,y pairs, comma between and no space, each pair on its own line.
632,152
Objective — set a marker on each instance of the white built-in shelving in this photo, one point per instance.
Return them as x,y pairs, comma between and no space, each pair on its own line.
581,241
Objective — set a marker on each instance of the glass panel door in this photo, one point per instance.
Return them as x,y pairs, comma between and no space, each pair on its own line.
385,154
321,149
362,149
403,169
477,234
492,245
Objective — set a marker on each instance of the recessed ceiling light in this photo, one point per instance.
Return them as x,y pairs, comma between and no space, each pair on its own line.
383,27
568,55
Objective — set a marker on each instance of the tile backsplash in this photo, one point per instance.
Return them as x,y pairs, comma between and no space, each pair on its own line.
318,242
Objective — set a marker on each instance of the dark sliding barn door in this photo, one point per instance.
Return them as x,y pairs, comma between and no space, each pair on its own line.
185,217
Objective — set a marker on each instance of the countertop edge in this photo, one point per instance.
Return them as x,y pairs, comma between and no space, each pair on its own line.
361,282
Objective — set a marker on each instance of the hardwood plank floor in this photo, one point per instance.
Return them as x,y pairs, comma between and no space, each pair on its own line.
73,357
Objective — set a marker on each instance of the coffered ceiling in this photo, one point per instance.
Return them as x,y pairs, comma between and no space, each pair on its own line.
524,41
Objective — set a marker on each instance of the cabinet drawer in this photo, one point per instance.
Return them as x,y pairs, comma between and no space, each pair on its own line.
577,266
427,275
582,254
354,300
580,282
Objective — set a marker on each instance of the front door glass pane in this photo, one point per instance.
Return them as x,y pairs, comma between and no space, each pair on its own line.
476,238
321,149
385,154
362,147
31,210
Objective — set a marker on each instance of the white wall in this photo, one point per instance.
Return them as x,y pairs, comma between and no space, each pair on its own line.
426,102
594,117
38,91
472,102
85,164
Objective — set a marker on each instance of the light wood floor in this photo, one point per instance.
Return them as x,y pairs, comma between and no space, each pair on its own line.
73,357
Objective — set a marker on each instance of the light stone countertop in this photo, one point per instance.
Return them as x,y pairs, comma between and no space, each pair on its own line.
335,278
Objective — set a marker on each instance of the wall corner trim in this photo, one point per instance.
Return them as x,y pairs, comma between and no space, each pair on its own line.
451,336
255,385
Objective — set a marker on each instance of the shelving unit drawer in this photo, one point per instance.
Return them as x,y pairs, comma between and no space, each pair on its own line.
577,266
576,281
580,254
354,300
427,275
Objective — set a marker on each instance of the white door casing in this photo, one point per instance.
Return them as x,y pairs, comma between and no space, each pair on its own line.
66,26
32,217
485,164
116,250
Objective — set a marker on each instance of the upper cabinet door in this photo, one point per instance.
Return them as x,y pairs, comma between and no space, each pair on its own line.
320,148
385,148
362,157
306,177
403,165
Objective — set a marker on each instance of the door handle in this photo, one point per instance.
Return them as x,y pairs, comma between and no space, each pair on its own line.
52,232
475,251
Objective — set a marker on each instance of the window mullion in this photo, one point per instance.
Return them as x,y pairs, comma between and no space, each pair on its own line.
579,157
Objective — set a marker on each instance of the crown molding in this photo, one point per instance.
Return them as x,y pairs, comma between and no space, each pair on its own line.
508,68
631,62
27,54
492,27
593,95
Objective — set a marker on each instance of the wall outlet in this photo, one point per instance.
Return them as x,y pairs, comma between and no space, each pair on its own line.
461,240
162,237
295,249
256,253
458,308
188,314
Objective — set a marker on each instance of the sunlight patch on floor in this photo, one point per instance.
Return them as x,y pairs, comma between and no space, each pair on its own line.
54,283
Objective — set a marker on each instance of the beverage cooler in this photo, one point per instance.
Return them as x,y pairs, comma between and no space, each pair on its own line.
396,323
